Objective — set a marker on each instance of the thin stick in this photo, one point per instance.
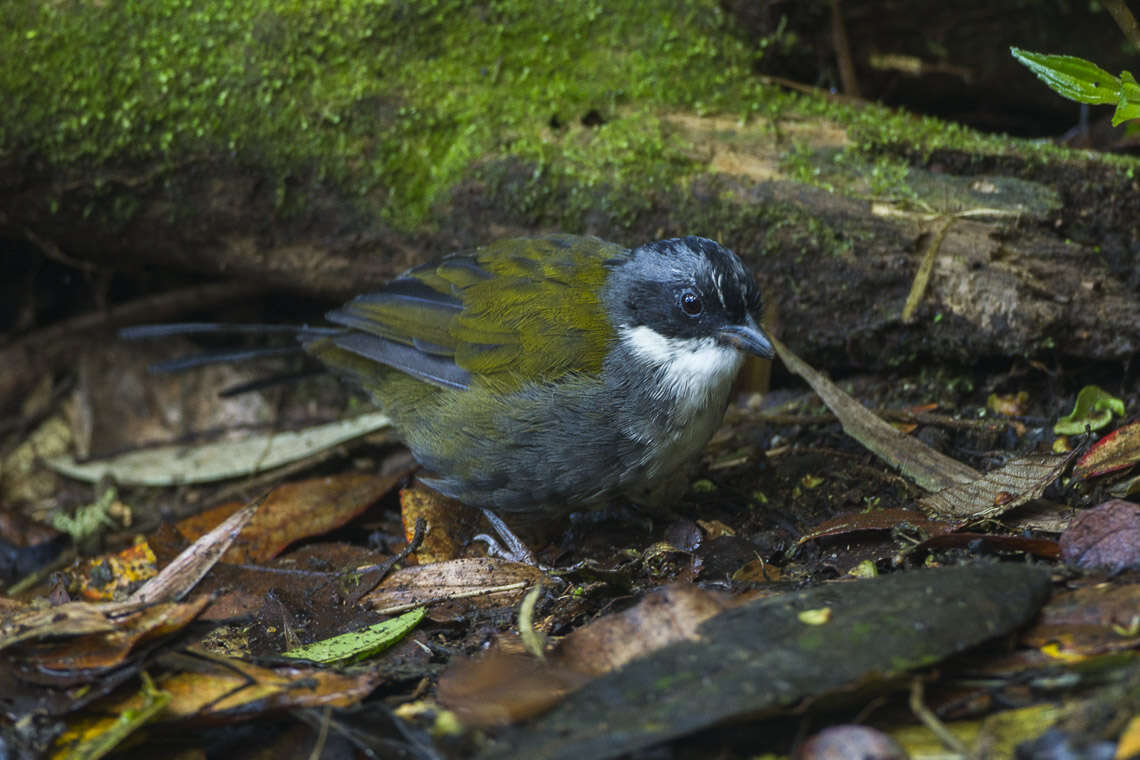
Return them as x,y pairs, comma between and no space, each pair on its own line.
843,52
931,721
1125,20
922,276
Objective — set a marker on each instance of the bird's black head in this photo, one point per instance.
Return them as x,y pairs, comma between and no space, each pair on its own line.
688,291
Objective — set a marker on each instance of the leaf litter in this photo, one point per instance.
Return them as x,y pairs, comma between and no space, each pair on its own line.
282,574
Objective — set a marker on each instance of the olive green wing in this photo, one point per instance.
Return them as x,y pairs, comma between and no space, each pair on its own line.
519,310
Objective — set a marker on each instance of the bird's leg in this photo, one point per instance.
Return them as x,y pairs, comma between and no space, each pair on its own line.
512,547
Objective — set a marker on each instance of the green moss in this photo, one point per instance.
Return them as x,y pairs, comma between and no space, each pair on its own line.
399,101
403,96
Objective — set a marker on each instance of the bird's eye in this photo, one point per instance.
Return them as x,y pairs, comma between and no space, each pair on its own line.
691,303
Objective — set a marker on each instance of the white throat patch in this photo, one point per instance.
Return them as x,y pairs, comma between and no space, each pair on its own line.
687,371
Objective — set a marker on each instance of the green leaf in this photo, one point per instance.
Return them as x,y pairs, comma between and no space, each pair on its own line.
1094,409
358,645
1074,78
1128,107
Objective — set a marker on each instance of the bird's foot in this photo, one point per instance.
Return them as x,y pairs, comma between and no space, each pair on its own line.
511,548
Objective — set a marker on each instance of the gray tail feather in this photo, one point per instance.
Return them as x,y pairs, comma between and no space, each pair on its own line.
302,333
143,332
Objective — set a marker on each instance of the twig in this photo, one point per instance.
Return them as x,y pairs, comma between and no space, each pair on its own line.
322,736
922,276
383,568
843,52
1125,20
931,721
52,251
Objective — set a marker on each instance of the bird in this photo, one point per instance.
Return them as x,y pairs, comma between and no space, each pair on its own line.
545,374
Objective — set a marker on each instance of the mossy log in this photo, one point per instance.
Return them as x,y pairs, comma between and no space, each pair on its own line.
325,146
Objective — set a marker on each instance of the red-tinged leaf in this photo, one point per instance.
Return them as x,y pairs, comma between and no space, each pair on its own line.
1106,537
879,519
295,511
1117,450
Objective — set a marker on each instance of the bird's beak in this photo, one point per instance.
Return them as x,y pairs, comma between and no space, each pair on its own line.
747,337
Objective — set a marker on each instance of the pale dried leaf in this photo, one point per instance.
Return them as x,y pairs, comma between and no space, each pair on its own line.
997,492
71,619
185,570
219,460
487,581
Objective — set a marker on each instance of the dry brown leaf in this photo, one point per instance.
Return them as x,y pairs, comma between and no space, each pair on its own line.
184,572
929,468
1042,514
1018,482
71,619
449,523
174,582
229,688
499,688
482,582
757,571
1087,621
664,617
715,529
294,511
213,688
502,687
110,648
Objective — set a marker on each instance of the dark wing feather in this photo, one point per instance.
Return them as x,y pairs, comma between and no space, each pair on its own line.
427,367
524,309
